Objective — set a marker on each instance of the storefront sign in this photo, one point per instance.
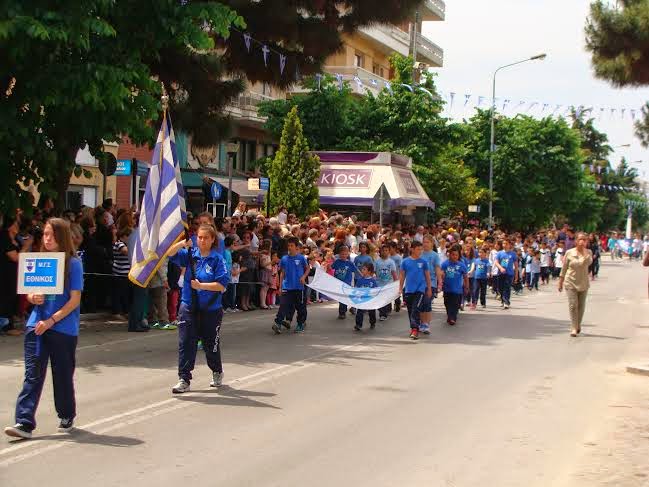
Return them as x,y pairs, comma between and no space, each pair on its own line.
346,178
41,272
408,182
123,167
264,184
253,184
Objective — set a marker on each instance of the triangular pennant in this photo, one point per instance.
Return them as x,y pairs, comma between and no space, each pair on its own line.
265,51
388,86
318,78
339,78
282,63
246,39
466,99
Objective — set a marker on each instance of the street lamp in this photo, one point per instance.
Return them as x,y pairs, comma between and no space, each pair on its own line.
538,57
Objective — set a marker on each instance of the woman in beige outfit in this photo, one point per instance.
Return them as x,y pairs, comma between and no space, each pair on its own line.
574,275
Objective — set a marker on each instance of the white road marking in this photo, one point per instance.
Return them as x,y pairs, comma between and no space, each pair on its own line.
158,407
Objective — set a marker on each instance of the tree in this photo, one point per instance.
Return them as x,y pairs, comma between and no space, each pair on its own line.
616,37
327,113
87,71
537,168
83,72
294,171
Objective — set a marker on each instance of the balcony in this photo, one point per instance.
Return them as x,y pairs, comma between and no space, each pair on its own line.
433,10
429,52
244,108
389,39
368,81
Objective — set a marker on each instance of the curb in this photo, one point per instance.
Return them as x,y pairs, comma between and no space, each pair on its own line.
638,369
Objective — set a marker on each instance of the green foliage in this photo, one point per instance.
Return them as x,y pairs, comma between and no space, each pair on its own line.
537,168
616,35
327,113
82,72
294,171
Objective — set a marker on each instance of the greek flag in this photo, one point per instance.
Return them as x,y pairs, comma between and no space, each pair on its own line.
163,214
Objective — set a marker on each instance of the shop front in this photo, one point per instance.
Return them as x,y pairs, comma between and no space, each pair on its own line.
376,184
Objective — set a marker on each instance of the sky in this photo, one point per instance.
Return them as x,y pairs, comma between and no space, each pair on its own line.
478,36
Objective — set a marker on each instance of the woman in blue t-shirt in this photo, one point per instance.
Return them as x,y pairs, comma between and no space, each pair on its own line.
51,334
201,312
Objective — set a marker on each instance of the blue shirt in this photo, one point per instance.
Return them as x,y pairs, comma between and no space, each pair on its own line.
482,268
344,270
361,260
397,260
366,282
432,258
454,273
293,268
384,269
415,270
506,260
208,269
227,257
70,324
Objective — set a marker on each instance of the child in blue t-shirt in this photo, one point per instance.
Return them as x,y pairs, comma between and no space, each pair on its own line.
415,284
507,264
366,280
294,270
344,270
481,268
456,282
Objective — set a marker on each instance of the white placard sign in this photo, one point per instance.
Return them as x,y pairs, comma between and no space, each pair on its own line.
41,272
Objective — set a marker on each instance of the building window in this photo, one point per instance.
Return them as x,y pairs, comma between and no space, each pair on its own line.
77,196
358,60
381,72
247,154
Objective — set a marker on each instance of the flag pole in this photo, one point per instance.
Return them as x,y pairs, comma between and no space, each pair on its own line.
164,100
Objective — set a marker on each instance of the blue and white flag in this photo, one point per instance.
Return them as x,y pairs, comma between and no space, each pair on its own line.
356,297
163,214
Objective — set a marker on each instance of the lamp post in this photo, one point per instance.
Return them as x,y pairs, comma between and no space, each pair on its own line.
492,147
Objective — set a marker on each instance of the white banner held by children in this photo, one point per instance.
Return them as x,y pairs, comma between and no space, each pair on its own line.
356,297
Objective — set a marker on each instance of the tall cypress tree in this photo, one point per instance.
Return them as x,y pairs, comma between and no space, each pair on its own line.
294,171
619,41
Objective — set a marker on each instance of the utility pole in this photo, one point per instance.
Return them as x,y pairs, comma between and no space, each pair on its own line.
413,42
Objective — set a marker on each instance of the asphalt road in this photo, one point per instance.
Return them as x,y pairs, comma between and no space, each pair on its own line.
505,398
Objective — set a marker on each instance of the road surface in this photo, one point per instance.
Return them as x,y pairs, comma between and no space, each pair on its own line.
505,398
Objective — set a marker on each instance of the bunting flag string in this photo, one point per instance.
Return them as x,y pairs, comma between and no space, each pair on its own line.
534,108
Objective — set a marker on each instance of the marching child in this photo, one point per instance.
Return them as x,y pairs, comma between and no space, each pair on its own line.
415,284
294,270
386,272
546,260
344,271
456,282
535,270
398,259
366,280
481,269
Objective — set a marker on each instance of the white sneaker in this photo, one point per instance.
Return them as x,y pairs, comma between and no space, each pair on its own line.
506,306
181,387
217,379
383,318
425,329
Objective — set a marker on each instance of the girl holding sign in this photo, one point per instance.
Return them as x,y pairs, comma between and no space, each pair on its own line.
51,334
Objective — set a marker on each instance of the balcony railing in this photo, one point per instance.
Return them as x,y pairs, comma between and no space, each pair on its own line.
437,8
429,50
245,106
352,74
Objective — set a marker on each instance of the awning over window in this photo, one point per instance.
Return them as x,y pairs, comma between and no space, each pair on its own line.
357,182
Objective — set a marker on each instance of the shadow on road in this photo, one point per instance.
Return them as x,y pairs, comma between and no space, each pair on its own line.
228,396
85,437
